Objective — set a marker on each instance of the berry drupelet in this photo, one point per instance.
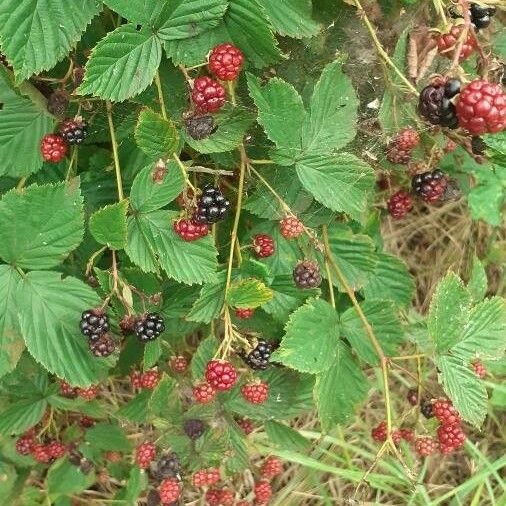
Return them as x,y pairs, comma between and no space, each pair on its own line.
150,327
211,206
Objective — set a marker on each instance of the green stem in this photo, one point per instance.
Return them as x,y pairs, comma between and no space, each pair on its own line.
115,152
160,95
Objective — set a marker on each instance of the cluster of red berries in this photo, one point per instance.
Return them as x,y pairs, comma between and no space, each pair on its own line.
146,379
54,147
400,146
225,62
43,453
379,434
67,390
221,376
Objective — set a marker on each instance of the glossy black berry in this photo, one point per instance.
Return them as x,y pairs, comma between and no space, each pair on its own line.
306,274
149,327
211,206
94,324
258,358
452,88
426,408
74,130
435,107
102,347
167,466
430,186
200,127
194,428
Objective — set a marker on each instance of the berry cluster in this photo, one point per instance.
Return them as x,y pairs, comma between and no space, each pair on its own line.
244,313
400,146
43,453
54,147
255,392
94,325
211,206
194,428
258,358
74,131
144,454
149,327
479,368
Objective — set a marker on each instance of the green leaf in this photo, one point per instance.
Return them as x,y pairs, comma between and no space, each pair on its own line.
210,302
290,395
11,341
156,136
249,293
280,112
250,30
158,404
391,281
142,12
231,123
331,122
354,255
136,483
464,388
478,282
311,338
152,352
22,415
283,436
41,225
136,409
484,332
9,475
49,308
104,436
36,34
149,193
340,182
486,199
448,312
386,326
182,19
205,352
22,124
63,478
339,389
152,240
109,225
286,297
122,64
291,17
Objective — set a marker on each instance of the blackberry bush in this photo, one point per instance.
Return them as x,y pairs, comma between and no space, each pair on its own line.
215,249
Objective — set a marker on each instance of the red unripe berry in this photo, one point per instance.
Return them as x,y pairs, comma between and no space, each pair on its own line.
448,42
208,95
400,204
263,245
88,393
227,497
169,490
221,375
396,436
136,379
179,364
263,492
412,397
425,446
407,434
144,454
66,390
451,437
479,369
150,379
206,477
56,449
25,444
246,425
244,313
86,421
406,139
53,148
444,411
225,62
481,108
290,227
190,230
271,467
255,393
243,503
379,433
212,497
204,393
41,453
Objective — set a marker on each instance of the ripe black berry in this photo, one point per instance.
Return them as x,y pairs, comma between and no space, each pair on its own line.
150,327
426,408
200,127
94,324
306,274
435,105
194,428
452,88
74,130
258,358
211,206
480,15
167,466
102,347
430,186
